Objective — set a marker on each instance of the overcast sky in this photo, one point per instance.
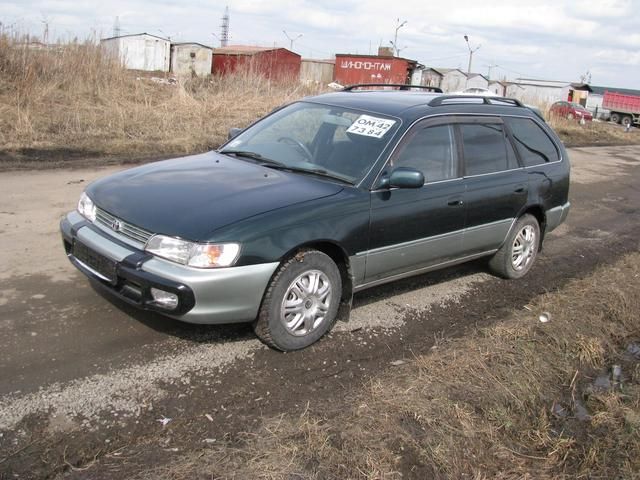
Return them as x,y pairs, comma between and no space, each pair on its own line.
547,39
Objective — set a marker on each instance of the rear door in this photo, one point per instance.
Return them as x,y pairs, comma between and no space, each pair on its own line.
415,228
496,185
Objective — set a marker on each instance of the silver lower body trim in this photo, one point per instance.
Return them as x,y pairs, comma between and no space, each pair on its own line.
419,271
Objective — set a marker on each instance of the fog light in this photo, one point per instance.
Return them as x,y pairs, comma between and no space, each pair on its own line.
164,299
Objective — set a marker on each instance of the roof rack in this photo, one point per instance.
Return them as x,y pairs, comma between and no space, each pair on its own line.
451,100
400,86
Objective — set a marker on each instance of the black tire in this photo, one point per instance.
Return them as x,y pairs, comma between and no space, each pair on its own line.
626,121
318,314
615,118
505,261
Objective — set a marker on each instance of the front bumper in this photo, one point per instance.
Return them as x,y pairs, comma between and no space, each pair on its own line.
224,295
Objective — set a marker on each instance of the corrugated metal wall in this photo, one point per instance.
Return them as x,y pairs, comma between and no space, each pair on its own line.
140,52
352,69
276,64
316,71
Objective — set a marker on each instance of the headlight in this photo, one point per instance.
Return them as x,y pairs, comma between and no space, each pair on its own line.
86,207
200,255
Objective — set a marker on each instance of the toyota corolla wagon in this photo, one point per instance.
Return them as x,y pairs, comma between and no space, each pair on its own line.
320,199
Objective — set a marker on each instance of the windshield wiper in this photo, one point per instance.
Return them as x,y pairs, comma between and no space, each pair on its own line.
253,156
313,171
267,162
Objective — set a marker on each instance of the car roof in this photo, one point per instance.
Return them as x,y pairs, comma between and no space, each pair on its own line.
410,105
386,102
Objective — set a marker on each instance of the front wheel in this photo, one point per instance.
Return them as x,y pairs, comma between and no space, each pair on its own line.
615,118
626,121
518,253
301,302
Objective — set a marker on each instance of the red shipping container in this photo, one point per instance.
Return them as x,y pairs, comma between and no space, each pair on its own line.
273,63
352,69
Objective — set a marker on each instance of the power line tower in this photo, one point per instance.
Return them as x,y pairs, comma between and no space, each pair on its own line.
116,27
224,28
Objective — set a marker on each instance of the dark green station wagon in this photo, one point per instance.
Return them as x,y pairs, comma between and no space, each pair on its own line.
320,199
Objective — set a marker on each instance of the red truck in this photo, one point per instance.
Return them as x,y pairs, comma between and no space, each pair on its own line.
625,109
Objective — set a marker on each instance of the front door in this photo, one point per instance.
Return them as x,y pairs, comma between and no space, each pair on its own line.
416,228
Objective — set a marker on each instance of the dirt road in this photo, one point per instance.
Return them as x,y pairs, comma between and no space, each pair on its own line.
86,382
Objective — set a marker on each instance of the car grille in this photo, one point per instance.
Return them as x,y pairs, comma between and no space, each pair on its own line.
117,225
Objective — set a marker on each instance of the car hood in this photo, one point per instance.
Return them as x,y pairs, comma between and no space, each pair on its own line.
191,197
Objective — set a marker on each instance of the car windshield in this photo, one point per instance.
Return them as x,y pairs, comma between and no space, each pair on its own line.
316,139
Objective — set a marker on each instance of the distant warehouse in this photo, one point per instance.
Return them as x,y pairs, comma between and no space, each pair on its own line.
273,63
140,51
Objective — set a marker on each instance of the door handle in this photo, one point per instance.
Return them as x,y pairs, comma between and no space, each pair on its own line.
455,203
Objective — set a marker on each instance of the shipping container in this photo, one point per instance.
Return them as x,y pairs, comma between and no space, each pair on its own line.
352,69
623,108
273,63
140,51
191,59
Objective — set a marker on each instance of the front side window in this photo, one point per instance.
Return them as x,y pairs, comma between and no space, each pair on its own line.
430,150
485,149
314,138
533,144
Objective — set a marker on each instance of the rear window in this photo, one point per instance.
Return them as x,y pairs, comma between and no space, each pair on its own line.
533,144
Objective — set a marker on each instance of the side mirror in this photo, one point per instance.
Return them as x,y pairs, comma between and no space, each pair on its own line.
234,132
402,177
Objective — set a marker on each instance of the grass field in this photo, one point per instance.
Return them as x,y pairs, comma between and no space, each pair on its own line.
519,400
73,105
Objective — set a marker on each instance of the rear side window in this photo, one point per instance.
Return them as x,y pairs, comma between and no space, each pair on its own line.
485,149
533,144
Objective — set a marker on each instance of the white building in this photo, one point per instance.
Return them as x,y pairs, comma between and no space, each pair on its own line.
452,79
140,51
191,58
537,92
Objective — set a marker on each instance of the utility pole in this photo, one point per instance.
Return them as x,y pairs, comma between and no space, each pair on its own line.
471,52
490,67
291,40
224,28
395,37
116,27
45,33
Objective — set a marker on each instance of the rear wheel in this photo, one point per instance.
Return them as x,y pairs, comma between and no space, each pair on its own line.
301,302
627,120
615,117
518,253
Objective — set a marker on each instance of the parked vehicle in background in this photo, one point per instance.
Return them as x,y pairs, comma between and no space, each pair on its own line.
625,109
571,111
322,198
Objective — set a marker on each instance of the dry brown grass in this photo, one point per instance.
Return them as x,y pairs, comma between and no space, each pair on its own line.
503,403
593,133
76,101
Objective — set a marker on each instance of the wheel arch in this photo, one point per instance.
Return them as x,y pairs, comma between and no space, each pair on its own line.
539,213
340,257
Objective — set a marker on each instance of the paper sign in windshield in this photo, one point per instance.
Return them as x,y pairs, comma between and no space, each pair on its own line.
371,126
